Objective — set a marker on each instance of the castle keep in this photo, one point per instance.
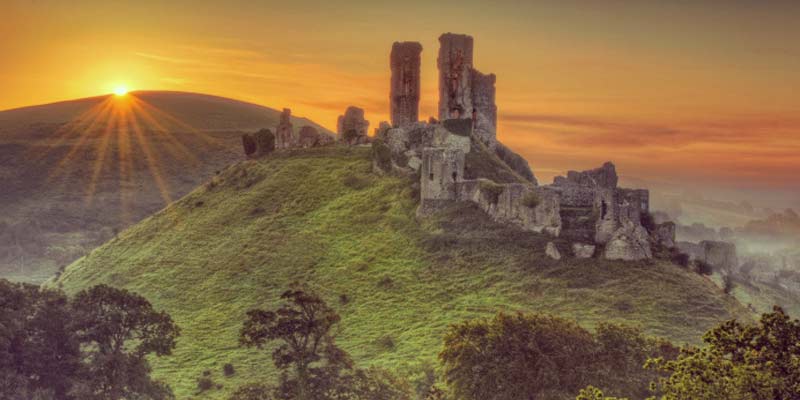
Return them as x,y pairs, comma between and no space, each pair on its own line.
459,159
586,208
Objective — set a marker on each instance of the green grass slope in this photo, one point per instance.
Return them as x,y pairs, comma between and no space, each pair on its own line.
320,216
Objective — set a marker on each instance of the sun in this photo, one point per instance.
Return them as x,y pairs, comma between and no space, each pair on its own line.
120,90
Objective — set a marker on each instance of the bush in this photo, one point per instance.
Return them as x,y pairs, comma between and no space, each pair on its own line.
385,342
531,200
648,222
382,155
491,190
728,285
680,258
356,182
205,383
386,282
228,369
704,268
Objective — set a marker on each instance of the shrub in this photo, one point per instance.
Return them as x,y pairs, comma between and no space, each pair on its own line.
382,155
704,268
728,285
491,190
648,222
386,282
531,200
356,182
385,342
680,258
205,383
344,299
228,369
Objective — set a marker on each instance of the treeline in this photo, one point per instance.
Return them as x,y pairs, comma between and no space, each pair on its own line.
530,357
92,346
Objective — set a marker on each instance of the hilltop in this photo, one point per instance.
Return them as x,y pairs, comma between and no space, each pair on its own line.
321,216
73,173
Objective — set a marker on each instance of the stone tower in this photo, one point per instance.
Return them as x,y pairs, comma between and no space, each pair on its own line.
455,76
404,95
484,113
284,133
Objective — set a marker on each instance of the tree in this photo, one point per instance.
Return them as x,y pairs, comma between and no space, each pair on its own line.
39,356
513,357
306,354
117,330
620,356
593,393
744,362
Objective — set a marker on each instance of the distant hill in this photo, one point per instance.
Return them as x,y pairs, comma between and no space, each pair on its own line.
73,173
321,216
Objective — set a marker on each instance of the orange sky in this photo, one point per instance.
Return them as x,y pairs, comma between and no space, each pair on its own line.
689,92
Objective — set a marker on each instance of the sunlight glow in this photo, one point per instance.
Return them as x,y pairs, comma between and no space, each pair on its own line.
120,90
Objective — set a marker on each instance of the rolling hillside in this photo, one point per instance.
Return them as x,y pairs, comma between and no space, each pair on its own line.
321,217
74,173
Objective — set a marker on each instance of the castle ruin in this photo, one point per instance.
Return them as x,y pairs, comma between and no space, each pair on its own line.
586,208
458,159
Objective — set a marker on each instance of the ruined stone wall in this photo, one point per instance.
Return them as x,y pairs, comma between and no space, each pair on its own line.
351,127
455,76
441,169
405,84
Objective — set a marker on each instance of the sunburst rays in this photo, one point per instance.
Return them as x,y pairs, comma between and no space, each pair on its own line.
128,131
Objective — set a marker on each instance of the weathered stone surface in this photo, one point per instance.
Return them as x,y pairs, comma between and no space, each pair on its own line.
664,235
455,76
582,250
404,94
484,111
441,169
693,250
380,131
552,251
629,243
532,209
311,137
515,161
284,133
351,127
603,177
461,127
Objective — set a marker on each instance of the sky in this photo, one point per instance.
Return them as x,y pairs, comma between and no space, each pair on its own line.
700,94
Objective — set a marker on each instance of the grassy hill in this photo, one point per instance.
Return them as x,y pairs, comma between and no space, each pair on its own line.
72,173
321,217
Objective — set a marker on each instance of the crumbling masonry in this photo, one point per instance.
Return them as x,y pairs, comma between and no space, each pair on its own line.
586,208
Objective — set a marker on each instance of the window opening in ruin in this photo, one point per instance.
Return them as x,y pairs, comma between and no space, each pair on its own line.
455,175
431,176
603,210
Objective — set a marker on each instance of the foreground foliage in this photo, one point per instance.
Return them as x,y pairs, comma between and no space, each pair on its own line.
743,362
321,217
522,356
312,366
93,346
